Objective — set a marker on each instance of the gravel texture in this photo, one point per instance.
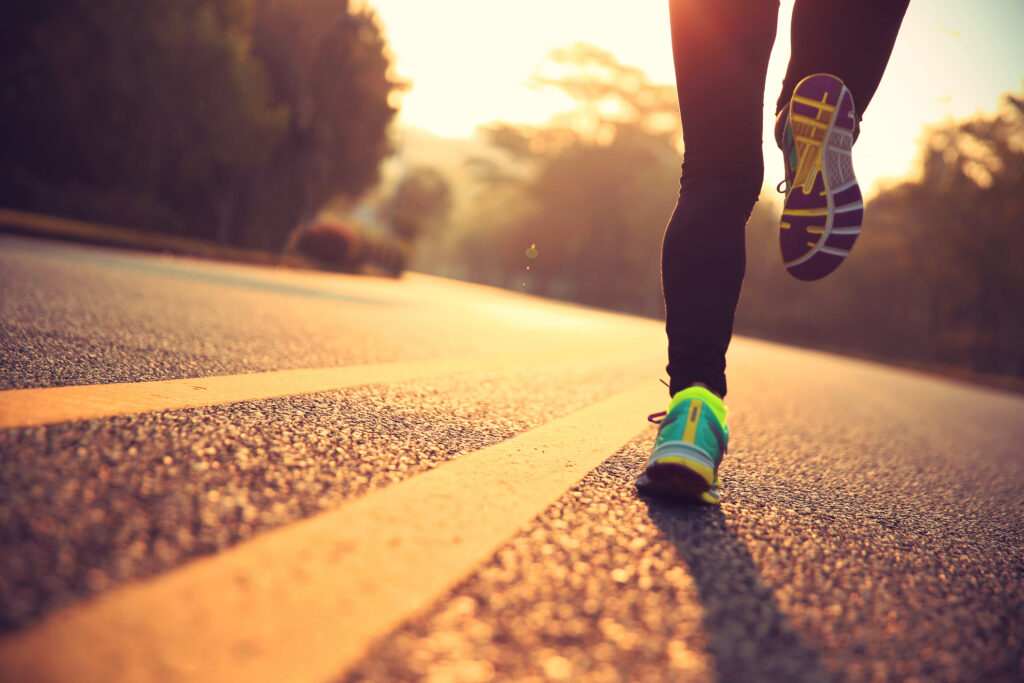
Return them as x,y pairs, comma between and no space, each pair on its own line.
871,525
85,506
71,315
777,584
870,531
72,321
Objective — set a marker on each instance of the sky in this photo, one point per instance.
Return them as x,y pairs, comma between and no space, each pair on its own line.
468,61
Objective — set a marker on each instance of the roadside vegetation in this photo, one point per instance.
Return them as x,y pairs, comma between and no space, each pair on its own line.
226,120
575,210
267,124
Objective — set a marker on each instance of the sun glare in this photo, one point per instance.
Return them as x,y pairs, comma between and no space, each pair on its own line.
469,63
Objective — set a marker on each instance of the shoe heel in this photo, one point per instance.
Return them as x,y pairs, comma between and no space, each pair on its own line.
824,210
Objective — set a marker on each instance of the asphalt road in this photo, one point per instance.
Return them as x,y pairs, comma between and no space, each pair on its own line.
871,526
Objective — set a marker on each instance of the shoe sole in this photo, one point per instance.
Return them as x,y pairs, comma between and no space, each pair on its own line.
675,471
824,209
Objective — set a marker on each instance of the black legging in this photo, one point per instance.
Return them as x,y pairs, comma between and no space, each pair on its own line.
721,50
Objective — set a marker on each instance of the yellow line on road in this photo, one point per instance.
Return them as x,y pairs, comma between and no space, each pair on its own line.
304,603
33,407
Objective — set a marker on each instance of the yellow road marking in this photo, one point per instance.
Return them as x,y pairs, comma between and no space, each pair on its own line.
304,602
33,407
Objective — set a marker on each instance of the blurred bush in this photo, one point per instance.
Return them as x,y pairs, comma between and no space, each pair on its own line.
225,119
337,245
327,241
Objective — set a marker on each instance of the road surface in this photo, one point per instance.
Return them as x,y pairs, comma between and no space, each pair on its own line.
225,472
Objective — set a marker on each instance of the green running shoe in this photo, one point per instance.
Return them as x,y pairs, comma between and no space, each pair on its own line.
691,442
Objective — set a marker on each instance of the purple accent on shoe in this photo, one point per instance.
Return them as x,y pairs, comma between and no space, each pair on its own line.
845,117
802,109
719,437
814,199
794,240
841,241
816,267
801,236
850,195
848,219
813,87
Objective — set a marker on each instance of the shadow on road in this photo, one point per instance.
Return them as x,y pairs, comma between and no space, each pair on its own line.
748,636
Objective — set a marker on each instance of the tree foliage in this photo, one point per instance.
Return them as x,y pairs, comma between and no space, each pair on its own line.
591,191
328,66
200,117
419,204
937,275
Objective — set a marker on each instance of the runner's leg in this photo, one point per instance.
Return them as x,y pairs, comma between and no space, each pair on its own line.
721,51
839,51
850,40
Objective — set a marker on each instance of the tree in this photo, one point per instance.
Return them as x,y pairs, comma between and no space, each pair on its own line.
591,190
131,112
234,119
419,204
972,252
328,66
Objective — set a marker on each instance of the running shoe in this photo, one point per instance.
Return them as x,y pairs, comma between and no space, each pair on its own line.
692,439
824,210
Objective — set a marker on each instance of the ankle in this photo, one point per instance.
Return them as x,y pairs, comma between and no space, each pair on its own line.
705,386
